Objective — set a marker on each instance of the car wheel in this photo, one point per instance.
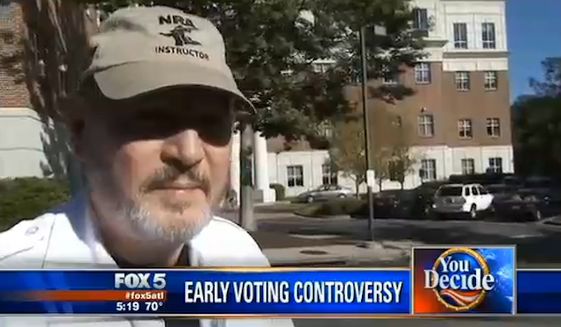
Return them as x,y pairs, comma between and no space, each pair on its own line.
310,199
473,212
341,196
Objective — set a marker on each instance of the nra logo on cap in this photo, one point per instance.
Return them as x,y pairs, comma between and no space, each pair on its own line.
181,34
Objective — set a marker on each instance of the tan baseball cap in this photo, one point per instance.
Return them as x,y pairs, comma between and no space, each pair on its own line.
144,49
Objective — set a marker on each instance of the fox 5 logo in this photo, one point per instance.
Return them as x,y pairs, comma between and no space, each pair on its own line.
137,280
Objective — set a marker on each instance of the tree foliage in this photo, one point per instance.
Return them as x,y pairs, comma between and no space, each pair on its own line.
27,198
271,45
347,152
551,84
537,124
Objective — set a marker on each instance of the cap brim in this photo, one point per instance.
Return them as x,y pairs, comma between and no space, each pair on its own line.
132,79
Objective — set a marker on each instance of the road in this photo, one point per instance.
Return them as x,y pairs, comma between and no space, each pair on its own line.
536,243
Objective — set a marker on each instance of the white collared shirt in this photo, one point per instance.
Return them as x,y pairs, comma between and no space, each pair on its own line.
65,239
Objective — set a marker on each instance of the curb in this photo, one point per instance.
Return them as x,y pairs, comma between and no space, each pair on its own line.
323,216
309,262
552,221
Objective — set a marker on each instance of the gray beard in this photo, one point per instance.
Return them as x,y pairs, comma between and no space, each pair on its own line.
142,222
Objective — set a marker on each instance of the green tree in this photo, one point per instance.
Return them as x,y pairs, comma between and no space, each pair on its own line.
401,164
537,124
347,151
381,158
272,45
551,84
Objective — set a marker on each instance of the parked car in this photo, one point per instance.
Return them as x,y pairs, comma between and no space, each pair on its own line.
462,199
414,204
501,190
325,192
521,206
546,188
391,204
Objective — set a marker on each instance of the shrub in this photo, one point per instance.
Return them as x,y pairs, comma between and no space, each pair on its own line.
331,208
279,191
25,198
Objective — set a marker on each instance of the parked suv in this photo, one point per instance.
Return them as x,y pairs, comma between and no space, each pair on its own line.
470,199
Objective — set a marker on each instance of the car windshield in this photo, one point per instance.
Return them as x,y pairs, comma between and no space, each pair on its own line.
450,191
499,189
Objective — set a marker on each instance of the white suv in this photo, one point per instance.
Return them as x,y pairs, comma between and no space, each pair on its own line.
468,199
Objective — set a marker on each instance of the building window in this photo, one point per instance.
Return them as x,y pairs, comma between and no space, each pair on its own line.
5,11
460,36
488,36
326,130
491,81
428,169
464,128
494,127
496,165
426,125
422,73
322,67
462,81
421,21
295,175
328,176
468,166
389,78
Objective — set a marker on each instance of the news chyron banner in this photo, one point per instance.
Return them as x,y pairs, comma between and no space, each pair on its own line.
207,292
442,281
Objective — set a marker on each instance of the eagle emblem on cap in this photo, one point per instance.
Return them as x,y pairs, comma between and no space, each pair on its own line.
181,36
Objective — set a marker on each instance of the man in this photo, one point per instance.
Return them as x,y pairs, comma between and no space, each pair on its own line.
151,125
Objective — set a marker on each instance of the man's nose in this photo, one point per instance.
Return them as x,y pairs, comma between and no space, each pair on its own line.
184,148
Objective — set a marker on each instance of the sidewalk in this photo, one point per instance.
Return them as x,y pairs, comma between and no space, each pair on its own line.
287,250
553,221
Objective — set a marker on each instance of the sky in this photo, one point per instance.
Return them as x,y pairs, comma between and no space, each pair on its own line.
534,33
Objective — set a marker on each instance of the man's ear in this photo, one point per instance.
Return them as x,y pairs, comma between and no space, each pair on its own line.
73,113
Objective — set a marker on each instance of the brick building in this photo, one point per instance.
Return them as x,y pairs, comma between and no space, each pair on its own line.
41,53
457,121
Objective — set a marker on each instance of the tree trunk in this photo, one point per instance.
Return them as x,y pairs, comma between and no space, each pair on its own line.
357,188
247,219
380,185
401,184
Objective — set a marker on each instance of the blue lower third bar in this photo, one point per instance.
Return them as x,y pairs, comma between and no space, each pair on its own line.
539,292
359,292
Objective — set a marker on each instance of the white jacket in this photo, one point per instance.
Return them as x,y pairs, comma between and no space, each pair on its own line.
64,238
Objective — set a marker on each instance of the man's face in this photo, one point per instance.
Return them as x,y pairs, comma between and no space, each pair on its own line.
157,164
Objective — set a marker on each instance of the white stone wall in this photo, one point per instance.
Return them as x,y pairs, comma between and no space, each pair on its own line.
21,149
443,14
448,162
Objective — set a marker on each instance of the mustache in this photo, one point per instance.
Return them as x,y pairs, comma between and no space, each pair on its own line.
167,176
